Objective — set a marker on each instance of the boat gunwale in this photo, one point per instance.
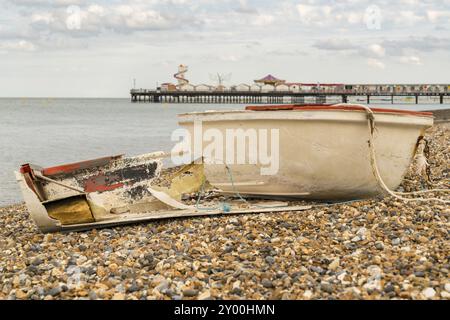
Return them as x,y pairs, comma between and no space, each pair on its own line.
312,107
348,107
306,115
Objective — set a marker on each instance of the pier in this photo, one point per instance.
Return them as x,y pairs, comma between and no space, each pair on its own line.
276,97
272,90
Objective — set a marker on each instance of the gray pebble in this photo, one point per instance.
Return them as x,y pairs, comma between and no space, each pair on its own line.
54,291
270,260
266,283
190,293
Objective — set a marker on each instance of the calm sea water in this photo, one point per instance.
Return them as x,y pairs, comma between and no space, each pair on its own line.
49,132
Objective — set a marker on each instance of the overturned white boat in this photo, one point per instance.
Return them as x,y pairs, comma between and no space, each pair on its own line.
309,152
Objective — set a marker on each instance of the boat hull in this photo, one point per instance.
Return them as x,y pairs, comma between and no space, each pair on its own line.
323,153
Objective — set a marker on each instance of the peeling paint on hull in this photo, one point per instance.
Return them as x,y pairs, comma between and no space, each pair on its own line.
89,191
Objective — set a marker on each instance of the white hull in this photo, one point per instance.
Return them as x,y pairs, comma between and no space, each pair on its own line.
323,154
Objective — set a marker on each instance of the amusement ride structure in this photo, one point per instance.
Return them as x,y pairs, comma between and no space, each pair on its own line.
180,75
219,80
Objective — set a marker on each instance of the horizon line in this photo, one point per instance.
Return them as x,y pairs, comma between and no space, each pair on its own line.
61,97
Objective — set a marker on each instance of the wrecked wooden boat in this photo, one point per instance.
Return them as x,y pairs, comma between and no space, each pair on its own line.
320,151
117,190
99,191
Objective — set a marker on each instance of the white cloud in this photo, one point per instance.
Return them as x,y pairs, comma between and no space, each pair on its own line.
408,18
20,45
245,8
413,60
410,2
397,47
335,44
375,63
145,19
312,15
435,16
377,50
263,20
47,3
124,10
96,19
354,17
45,18
96,9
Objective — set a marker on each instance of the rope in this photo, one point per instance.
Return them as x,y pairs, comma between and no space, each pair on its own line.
425,191
224,206
197,205
376,171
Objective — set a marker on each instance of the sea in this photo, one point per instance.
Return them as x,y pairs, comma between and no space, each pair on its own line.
53,131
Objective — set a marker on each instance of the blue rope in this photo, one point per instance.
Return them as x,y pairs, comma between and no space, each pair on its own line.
197,205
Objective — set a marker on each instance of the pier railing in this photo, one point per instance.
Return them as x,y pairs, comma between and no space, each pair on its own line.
312,91
277,96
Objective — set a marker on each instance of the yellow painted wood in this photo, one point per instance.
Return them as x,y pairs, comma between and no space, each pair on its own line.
69,211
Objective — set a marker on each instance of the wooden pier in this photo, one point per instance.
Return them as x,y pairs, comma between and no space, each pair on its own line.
273,97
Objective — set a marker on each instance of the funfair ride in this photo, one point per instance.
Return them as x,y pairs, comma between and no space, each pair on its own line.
182,69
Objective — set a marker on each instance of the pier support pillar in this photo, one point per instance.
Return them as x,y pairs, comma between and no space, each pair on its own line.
392,99
344,99
417,99
441,99
368,99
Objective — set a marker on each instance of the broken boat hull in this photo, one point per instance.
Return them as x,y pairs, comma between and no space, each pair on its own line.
102,192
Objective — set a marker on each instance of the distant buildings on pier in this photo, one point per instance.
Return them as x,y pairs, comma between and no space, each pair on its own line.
270,83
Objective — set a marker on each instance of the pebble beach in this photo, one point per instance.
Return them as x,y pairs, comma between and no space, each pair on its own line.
371,249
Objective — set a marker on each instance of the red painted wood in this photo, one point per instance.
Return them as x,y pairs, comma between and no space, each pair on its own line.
327,107
71,167
91,186
25,168
270,108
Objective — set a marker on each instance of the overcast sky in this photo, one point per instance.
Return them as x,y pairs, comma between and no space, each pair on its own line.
82,48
